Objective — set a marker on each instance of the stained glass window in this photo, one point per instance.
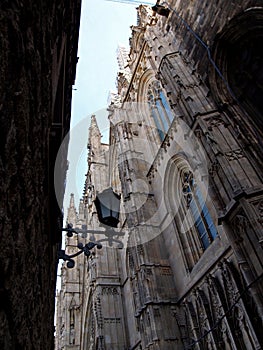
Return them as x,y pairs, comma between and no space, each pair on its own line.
198,208
159,107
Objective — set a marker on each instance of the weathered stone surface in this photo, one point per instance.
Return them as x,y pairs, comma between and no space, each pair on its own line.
185,153
29,216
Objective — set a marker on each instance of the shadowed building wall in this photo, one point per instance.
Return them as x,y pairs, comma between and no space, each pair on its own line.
38,56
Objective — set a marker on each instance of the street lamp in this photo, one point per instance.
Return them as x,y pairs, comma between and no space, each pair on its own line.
108,208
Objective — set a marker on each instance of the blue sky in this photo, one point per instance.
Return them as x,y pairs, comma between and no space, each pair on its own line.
104,25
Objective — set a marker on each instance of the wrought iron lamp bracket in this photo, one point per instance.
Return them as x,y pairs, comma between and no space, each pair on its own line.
108,232
82,249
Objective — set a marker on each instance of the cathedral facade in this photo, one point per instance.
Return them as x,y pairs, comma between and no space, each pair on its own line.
183,269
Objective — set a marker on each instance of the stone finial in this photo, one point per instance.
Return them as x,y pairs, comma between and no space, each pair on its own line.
72,212
72,202
94,131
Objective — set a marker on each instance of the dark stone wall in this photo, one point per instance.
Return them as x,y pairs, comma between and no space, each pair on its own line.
207,21
222,41
38,47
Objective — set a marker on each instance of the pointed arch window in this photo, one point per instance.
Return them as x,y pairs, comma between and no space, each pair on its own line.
159,107
195,202
191,209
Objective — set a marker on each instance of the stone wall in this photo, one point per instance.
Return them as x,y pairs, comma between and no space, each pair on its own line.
191,194
206,20
35,115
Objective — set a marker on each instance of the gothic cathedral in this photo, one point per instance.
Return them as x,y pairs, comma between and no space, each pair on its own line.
183,269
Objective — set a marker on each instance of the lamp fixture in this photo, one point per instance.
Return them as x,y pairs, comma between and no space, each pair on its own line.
108,208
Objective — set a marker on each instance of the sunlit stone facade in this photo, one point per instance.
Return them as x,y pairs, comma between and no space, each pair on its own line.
185,153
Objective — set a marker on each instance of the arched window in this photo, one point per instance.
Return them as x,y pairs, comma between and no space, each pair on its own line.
198,208
192,211
159,107
238,53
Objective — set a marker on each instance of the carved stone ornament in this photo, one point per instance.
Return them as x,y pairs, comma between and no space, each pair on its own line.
198,132
234,154
214,121
240,225
231,291
214,168
109,291
259,208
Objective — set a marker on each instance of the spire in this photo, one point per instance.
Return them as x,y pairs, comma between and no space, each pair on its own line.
94,153
94,131
94,143
72,202
81,209
72,213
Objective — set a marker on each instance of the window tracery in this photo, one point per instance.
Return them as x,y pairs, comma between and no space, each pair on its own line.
192,210
198,209
159,107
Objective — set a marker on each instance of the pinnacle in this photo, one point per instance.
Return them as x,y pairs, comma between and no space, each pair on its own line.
94,130
93,123
72,202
